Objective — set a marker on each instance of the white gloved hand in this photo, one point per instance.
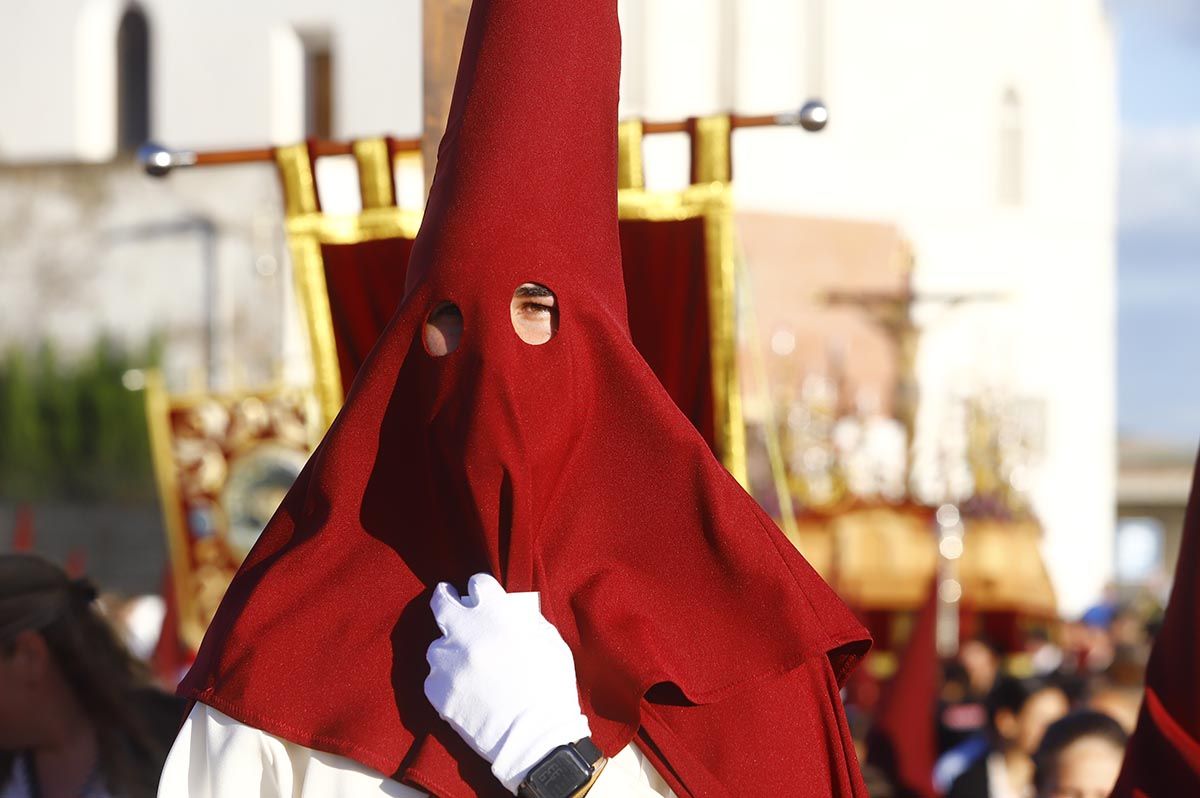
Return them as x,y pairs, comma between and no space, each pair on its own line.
502,677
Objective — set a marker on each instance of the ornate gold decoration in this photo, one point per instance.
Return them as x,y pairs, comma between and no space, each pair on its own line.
299,185
374,173
629,155
1002,568
222,463
712,160
884,557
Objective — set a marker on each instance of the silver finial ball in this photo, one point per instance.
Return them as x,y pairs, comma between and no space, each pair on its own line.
814,116
156,159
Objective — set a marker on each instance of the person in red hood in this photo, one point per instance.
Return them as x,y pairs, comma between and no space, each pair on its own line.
701,649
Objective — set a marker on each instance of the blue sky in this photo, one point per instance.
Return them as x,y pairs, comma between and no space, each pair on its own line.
1159,238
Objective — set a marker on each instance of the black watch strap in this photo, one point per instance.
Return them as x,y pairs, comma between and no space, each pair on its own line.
588,750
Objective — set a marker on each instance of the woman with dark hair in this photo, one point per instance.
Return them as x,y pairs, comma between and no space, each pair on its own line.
1079,756
1019,710
78,718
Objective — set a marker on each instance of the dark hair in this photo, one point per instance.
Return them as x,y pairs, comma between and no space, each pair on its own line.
993,647
103,676
1010,693
1068,730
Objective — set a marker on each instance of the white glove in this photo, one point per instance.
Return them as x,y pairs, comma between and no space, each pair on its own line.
502,677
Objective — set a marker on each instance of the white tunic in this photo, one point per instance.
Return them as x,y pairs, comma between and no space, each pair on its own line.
215,756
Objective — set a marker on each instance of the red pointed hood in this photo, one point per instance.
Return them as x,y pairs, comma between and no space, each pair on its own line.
526,175
562,468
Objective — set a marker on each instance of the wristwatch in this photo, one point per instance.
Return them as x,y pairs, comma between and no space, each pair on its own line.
563,772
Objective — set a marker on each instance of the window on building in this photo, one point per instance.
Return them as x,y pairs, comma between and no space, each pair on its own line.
133,80
318,86
1010,188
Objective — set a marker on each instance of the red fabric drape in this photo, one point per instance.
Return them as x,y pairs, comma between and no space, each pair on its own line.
904,738
365,283
76,564
666,285
777,764
23,538
1163,756
172,657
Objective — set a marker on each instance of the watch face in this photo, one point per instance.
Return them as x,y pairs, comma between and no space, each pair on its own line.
559,775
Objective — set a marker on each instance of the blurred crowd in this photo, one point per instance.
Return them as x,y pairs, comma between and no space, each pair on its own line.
1051,720
83,711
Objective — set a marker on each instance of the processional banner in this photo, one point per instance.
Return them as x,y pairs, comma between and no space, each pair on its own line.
349,269
678,253
223,463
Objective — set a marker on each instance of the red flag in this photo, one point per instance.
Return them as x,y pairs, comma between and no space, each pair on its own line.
22,541
903,741
76,563
172,657
1163,756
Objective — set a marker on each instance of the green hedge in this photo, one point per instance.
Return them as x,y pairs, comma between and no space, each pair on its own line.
70,429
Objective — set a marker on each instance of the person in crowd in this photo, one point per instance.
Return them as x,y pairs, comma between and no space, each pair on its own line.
77,714
1045,655
1079,756
967,679
1119,701
980,658
1019,710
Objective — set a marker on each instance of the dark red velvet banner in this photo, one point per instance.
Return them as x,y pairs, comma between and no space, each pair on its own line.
666,284
365,282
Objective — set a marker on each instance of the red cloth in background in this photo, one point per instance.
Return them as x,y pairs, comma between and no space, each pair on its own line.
1163,756
903,740
666,286
23,536
171,656
76,565
365,283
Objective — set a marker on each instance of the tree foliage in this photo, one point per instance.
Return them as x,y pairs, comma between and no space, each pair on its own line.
70,429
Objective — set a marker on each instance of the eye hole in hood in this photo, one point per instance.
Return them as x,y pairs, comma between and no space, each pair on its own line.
443,329
534,313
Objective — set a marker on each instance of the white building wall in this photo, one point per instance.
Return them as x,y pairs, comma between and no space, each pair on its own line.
37,110
212,71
